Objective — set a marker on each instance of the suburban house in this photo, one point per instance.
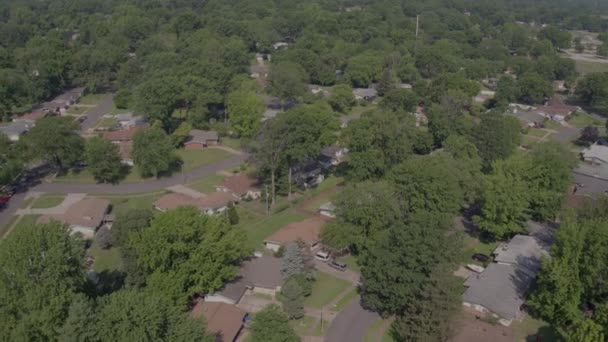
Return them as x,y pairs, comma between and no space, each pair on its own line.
123,135
484,95
559,86
280,45
241,186
128,120
595,154
403,86
212,204
527,115
16,129
592,176
62,102
83,217
270,114
308,174
332,155
501,289
223,320
490,82
308,231
367,94
328,210
31,116
198,139
258,71
258,275
124,149
556,110
420,114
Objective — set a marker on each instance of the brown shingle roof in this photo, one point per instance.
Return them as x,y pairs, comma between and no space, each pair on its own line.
124,134
202,137
214,201
262,272
125,148
307,231
223,320
31,116
239,184
88,212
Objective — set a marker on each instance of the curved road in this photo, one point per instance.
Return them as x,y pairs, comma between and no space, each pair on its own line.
351,324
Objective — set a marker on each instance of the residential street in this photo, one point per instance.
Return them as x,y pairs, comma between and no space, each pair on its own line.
95,114
351,324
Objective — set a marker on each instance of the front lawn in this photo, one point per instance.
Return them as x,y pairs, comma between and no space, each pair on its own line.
91,99
258,227
207,184
581,120
535,132
194,159
105,259
231,142
130,202
27,220
48,201
85,177
528,141
325,289
344,301
373,329
77,110
303,326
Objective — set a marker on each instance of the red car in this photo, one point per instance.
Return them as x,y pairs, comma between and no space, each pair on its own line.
4,199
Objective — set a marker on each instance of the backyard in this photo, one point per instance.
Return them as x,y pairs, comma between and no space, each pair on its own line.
91,99
258,226
105,259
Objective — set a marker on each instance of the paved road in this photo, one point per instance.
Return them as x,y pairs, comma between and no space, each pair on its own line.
351,324
96,113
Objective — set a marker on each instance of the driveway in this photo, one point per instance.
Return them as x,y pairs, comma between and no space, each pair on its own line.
95,114
351,324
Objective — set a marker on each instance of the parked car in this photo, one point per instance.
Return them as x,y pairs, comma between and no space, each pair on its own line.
339,265
481,257
323,256
4,198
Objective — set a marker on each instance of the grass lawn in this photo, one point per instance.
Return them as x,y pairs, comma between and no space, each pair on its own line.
552,124
528,141
387,337
91,99
85,177
585,67
258,227
114,110
231,142
196,158
105,259
321,329
351,262
318,202
129,202
27,202
106,123
302,326
473,245
325,289
373,330
530,327
539,133
48,201
7,226
342,303
77,110
207,184
582,120
27,220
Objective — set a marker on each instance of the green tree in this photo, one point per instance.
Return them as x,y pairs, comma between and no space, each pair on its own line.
560,39
41,271
386,83
496,136
181,133
364,69
578,45
272,325
292,299
153,152
81,324
534,89
287,80
11,160
505,199
232,214
122,99
103,160
507,90
268,151
245,110
585,330
593,89
399,100
67,147
129,315
341,99
184,252
602,50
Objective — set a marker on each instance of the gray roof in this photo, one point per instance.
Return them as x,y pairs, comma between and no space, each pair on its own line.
526,116
596,153
590,179
330,151
365,92
261,272
271,114
329,206
16,128
523,250
499,288
197,135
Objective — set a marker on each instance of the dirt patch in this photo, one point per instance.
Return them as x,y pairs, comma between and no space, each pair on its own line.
468,328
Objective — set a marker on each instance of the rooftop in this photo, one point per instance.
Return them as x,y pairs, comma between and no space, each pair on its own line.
596,152
557,107
523,250
239,184
200,136
16,128
124,134
365,92
223,320
307,231
331,151
88,212
213,201
264,272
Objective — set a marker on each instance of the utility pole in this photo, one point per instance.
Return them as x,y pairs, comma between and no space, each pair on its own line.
416,40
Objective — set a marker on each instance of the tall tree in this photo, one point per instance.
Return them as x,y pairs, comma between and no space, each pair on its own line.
272,325
153,152
496,136
245,109
269,150
41,271
287,80
341,99
56,140
292,299
185,253
103,160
